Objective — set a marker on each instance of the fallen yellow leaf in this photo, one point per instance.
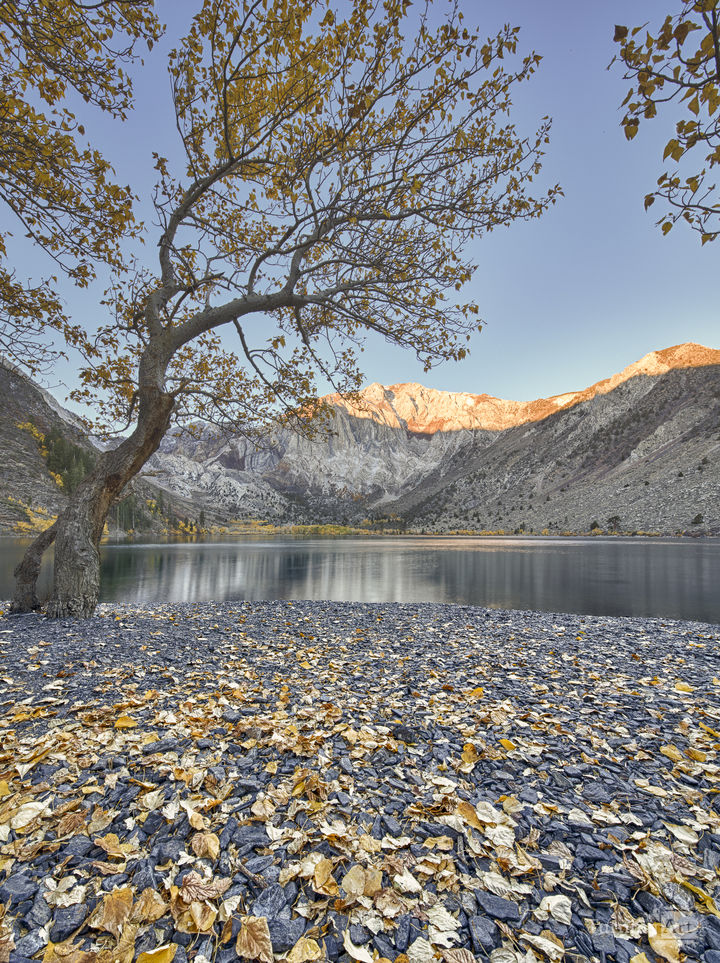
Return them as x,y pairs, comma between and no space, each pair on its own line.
707,901
306,950
253,941
323,881
470,754
163,954
467,811
206,845
149,907
664,942
125,722
114,911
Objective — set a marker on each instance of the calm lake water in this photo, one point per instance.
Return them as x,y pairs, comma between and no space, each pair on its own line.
669,578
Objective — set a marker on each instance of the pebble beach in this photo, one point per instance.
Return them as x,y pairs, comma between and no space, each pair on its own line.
310,781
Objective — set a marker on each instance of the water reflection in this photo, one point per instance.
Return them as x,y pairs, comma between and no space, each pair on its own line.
669,578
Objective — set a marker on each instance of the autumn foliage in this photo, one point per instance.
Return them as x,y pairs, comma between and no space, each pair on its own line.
677,67
56,190
337,161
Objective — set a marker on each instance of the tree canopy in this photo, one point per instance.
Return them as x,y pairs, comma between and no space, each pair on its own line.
336,167
679,65
57,190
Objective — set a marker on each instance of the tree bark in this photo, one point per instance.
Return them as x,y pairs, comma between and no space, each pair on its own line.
27,571
76,576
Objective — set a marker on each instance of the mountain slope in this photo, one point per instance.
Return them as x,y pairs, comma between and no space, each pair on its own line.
646,454
45,451
26,486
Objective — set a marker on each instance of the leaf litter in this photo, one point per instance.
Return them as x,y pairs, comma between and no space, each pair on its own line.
311,781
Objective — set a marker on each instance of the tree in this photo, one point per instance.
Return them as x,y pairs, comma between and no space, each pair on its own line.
334,172
58,192
680,66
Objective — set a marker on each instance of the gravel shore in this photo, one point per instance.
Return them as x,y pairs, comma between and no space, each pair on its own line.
345,781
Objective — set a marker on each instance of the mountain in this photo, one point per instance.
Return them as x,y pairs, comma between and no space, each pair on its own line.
639,448
638,451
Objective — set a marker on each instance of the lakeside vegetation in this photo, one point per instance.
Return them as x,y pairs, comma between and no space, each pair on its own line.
137,518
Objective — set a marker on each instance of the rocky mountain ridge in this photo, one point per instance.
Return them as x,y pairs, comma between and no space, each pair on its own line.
639,448
426,411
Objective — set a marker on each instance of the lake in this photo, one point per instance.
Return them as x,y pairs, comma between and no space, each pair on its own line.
663,577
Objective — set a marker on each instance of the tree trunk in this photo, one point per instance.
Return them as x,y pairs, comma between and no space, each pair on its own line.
76,579
26,573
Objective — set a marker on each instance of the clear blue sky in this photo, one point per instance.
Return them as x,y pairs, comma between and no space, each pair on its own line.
568,299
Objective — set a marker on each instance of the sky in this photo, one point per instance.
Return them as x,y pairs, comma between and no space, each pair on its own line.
568,299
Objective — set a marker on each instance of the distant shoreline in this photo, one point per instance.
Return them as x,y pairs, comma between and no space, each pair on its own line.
308,532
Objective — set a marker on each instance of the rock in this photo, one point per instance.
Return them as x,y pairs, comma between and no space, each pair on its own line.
153,822
652,905
679,897
40,913
227,832
384,947
31,944
66,920
78,846
359,935
591,854
497,907
270,902
18,888
596,793
284,933
144,878
402,932
168,851
584,943
160,745
112,882
405,734
333,946
712,932
392,825
483,933
243,786
253,836
603,941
